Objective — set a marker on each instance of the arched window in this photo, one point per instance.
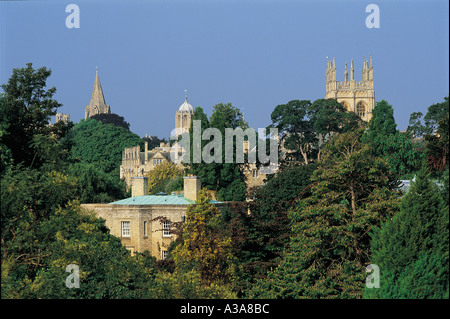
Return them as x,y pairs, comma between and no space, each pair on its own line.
345,105
361,109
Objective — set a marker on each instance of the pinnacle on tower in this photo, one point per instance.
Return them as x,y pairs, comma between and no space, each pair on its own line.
352,72
346,73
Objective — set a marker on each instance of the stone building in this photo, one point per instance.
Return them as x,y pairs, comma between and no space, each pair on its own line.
356,96
97,104
146,222
137,164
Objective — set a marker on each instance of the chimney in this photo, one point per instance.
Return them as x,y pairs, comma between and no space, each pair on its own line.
139,186
192,186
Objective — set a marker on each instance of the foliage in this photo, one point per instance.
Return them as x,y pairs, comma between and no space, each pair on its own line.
44,230
94,185
111,118
438,147
101,144
260,230
26,108
305,127
188,285
401,153
419,127
164,174
203,248
411,249
226,178
353,192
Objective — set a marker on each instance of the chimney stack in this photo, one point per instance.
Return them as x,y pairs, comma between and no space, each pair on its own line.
192,186
139,186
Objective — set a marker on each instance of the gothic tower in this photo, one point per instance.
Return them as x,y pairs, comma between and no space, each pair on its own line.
183,117
356,96
97,104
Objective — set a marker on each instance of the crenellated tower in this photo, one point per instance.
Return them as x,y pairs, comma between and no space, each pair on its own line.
356,96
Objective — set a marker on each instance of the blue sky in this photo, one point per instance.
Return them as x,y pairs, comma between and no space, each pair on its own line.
254,54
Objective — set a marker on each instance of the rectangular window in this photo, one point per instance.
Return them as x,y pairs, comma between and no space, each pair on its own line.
166,228
125,229
145,229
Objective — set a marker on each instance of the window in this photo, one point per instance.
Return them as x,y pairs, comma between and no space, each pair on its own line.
166,228
164,254
183,218
145,229
361,109
345,105
255,173
125,229
157,161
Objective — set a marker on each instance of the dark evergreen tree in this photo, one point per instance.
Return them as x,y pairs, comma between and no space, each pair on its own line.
412,248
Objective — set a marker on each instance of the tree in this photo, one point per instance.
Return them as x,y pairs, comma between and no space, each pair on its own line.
101,144
203,248
44,230
295,128
94,185
430,124
438,147
382,122
353,191
260,229
161,175
402,155
411,249
26,108
226,178
306,127
111,118
328,117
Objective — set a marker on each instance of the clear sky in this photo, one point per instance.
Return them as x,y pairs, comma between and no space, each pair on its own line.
255,54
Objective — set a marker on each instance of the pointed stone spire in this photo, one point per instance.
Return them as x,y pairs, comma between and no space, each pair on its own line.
97,97
97,104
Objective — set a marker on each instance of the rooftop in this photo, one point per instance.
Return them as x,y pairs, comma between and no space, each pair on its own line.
157,200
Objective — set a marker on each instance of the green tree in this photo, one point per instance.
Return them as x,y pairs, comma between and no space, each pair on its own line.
26,108
161,176
295,128
382,122
260,230
402,155
353,191
226,178
101,144
111,118
437,147
420,126
328,117
203,247
411,249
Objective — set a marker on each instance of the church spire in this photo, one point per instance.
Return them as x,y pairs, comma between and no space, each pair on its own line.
97,97
97,104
